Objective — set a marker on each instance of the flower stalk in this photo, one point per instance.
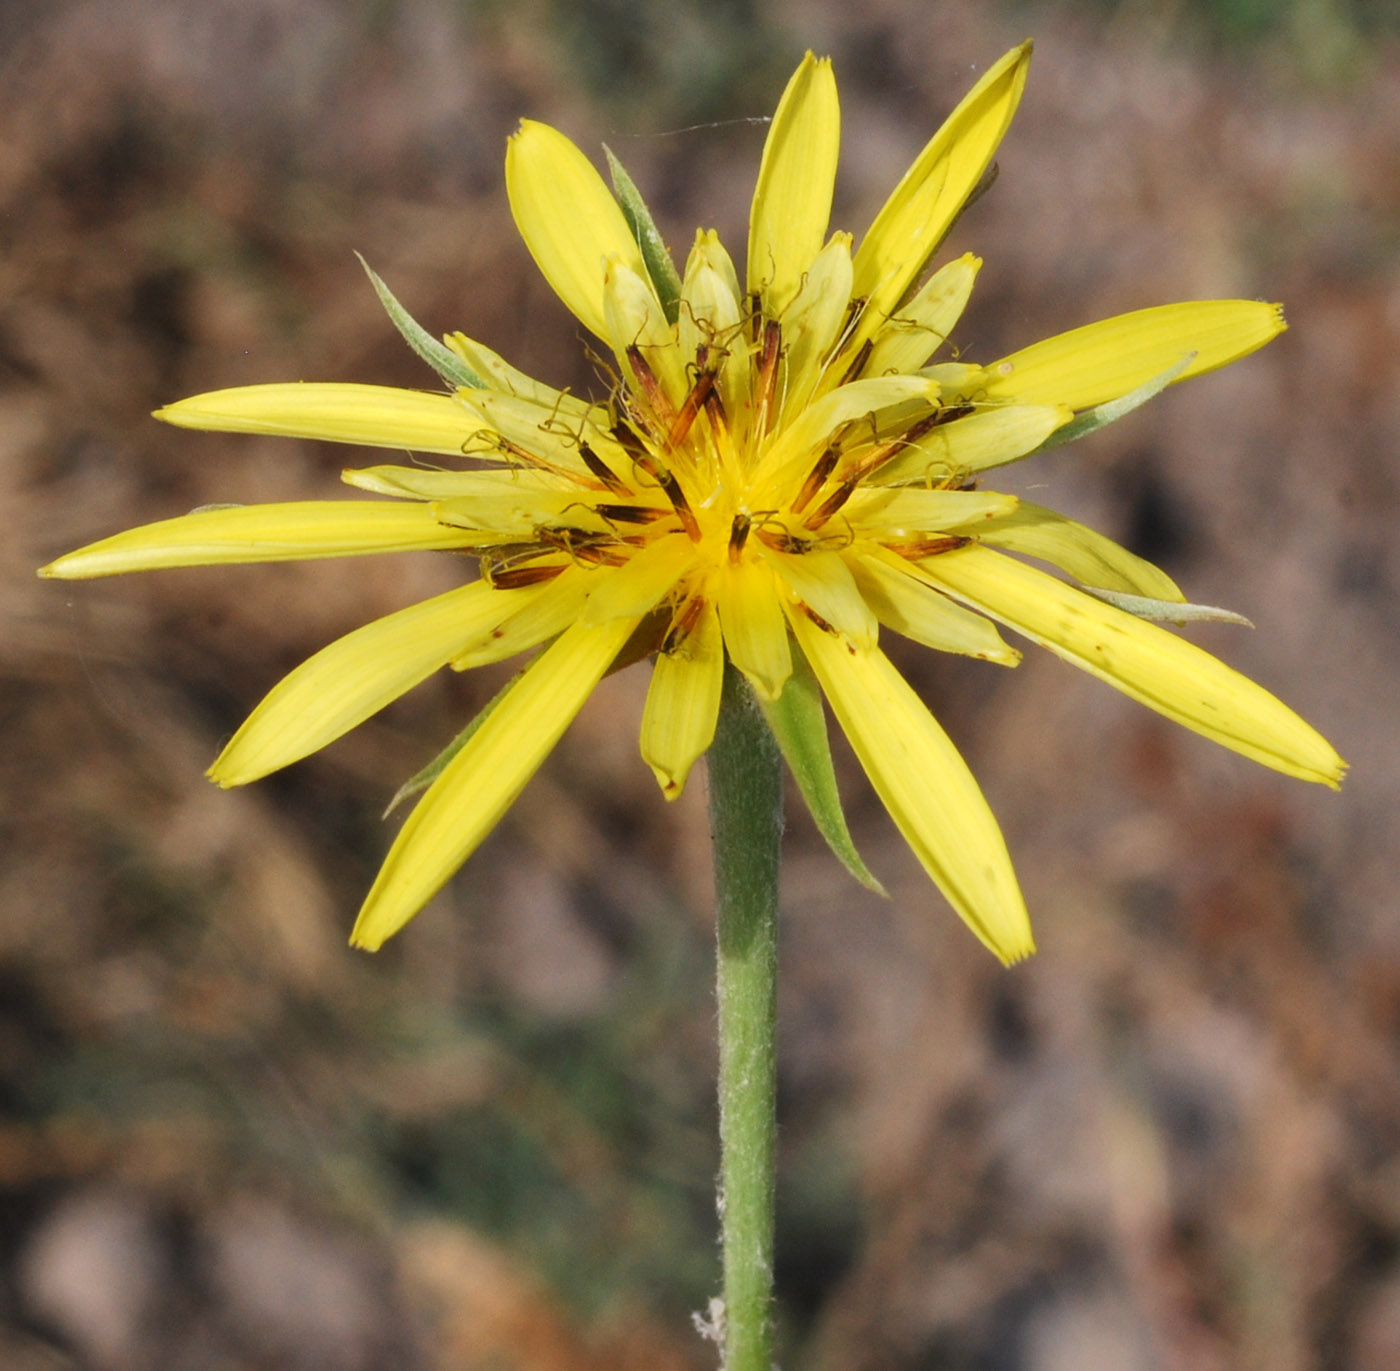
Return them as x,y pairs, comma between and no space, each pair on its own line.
746,819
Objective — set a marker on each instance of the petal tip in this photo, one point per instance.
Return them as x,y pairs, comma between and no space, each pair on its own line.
221,776
1014,956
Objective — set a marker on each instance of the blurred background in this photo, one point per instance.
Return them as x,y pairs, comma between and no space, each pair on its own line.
1172,1140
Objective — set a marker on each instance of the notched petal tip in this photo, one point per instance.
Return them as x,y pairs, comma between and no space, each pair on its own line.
363,942
221,776
1014,956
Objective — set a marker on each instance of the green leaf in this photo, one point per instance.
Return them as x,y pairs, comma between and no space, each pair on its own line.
1166,611
437,355
1091,420
798,722
434,769
660,267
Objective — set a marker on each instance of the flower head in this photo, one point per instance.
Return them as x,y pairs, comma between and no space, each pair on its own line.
782,469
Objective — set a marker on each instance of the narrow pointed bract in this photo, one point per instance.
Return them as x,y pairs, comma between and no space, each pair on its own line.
785,468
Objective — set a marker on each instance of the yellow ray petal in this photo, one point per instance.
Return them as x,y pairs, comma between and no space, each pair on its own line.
477,787
514,516
636,320
533,436
789,457
924,204
1164,672
260,533
432,483
355,677
1073,547
909,605
542,612
925,785
812,322
989,438
501,376
639,585
568,219
1102,361
917,330
755,632
678,723
710,316
792,201
823,582
373,416
896,513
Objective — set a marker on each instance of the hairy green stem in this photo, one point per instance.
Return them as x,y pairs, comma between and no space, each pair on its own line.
746,819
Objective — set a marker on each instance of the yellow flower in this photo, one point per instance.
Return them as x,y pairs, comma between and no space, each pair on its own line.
780,472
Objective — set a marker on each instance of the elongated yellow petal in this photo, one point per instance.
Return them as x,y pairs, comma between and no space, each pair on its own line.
917,330
542,612
1073,547
530,435
990,438
812,321
912,607
1164,672
710,317
897,513
823,582
631,590
429,483
792,201
678,723
501,376
568,219
260,533
925,785
755,632
477,787
372,416
355,677
790,454
1102,361
512,516
636,320
924,204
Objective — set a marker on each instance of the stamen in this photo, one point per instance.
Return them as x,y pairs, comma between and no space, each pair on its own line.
719,420
657,402
783,541
602,470
671,488
858,362
533,459
738,536
825,465
833,502
630,514
513,578
683,624
877,457
646,463
631,443
596,554
700,392
929,547
768,373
